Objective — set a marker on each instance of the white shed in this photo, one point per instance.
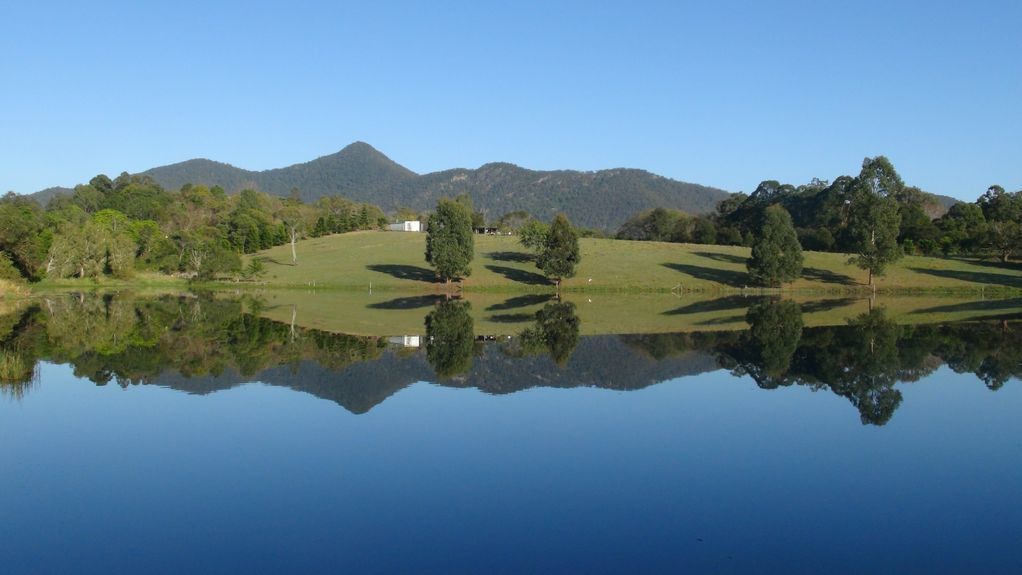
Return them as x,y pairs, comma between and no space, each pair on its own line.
406,226
404,340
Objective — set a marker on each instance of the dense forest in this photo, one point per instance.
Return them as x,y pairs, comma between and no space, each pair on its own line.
831,216
600,199
117,226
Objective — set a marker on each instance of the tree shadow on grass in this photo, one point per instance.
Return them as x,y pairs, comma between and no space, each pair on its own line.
520,257
1014,266
270,260
827,276
983,305
827,304
411,302
726,277
720,304
520,301
1001,280
727,258
512,317
723,320
520,276
405,272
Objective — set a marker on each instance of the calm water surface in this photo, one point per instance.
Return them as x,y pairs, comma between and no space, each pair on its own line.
215,441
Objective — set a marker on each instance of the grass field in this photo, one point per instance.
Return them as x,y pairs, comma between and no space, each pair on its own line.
394,261
621,287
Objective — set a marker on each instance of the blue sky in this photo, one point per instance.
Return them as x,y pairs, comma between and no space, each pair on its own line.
719,93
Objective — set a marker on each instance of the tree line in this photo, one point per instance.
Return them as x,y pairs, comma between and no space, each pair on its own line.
113,227
874,215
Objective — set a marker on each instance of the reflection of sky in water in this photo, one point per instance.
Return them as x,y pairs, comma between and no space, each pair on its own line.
706,472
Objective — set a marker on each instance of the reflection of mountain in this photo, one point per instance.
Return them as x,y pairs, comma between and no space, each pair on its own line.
601,362
358,387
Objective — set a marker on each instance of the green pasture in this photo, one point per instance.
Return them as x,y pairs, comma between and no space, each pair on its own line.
394,261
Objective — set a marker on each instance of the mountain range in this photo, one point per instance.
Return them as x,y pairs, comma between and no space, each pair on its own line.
601,199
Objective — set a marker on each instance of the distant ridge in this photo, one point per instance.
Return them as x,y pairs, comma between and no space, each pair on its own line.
44,196
602,199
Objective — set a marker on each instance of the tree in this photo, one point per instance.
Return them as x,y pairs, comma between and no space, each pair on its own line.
1003,211
23,235
776,253
660,225
294,224
916,225
513,221
704,232
1004,238
405,214
206,253
112,221
450,338
964,228
874,220
532,234
254,270
90,251
560,252
450,244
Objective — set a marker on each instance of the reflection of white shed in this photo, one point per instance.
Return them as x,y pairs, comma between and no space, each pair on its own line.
407,226
405,340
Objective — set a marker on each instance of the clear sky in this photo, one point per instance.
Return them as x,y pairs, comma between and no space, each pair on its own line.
719,93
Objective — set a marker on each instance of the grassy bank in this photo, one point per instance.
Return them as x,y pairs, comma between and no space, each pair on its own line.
394,261
140,281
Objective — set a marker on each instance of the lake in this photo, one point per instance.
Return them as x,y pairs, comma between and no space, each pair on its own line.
208,433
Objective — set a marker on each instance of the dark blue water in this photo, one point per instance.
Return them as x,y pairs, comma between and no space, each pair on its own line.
704,473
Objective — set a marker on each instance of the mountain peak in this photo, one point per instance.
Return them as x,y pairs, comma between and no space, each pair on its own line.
359,147
364,159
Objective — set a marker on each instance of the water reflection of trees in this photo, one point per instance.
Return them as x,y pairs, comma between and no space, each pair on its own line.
556,331
450,338
133,341
127,341
861,361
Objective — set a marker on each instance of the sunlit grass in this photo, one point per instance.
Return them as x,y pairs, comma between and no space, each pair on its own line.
394,260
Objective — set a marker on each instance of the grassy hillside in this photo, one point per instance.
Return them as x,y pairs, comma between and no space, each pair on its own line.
394,261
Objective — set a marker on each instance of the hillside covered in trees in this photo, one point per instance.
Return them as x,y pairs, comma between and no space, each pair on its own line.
599,199
844,214
113,227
